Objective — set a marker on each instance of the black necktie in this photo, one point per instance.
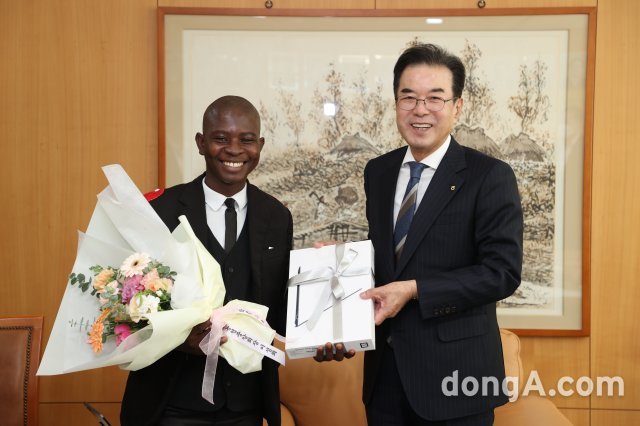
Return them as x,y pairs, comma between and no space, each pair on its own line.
230,224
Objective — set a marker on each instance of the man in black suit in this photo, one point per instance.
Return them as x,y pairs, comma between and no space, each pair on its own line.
254,261
446,224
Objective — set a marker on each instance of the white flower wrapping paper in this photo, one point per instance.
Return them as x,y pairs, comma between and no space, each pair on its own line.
122,223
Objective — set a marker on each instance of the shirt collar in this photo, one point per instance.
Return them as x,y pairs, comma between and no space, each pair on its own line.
432,160
215,200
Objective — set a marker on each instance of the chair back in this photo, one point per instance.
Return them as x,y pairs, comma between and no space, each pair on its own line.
323,393
20,339
512,361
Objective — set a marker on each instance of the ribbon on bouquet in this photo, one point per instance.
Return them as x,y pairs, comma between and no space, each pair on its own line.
333,289
210,344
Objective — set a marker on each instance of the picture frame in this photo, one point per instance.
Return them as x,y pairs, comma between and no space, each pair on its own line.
322,83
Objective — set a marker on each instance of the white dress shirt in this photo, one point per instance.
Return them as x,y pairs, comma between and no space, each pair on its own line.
433,161
216,208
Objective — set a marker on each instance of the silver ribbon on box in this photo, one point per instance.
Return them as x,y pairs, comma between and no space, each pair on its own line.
333,289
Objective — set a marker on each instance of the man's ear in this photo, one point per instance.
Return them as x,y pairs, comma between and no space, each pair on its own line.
200,143
458,108
261,143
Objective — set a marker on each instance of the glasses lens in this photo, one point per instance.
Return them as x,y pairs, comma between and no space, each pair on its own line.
435,104
407,104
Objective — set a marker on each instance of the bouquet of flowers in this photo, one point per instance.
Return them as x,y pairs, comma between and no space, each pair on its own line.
127,295
136,313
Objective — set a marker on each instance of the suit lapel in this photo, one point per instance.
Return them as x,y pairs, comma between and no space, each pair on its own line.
193,200
445,184
258,227
387,186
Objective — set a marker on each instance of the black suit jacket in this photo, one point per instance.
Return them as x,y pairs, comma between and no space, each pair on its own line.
464,248
270,238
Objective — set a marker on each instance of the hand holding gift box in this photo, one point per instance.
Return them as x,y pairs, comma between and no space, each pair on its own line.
323,303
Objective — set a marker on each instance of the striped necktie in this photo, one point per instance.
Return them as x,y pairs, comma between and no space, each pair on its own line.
407,208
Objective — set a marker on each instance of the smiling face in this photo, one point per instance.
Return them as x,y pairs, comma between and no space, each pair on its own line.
230,144
424,130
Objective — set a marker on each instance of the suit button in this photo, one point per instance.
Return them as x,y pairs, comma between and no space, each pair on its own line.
230,269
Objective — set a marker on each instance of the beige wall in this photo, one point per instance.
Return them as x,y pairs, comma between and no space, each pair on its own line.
78,89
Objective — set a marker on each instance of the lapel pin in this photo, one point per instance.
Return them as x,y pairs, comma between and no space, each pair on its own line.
453,187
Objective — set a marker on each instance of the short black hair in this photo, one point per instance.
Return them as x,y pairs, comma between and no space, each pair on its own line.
430,54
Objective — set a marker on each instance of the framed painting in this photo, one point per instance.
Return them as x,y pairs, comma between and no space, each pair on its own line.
323,86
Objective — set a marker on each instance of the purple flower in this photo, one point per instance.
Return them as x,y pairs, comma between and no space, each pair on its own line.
131,286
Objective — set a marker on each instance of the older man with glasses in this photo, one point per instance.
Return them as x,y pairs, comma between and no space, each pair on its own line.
446,224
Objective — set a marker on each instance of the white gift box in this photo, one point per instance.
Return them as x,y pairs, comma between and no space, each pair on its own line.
324,303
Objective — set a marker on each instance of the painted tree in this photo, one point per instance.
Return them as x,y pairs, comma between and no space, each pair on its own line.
292,111
370,109
477,95
531,105
413,42
332,127
268,120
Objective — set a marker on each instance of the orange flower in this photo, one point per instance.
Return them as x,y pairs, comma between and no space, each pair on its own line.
161,284
95,335
102,279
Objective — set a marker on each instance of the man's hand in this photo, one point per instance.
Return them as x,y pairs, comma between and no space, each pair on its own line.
191,344
325,353
323,243
390,298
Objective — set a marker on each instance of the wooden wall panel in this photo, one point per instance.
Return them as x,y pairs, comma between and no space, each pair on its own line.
556,357
75,414
78,86
473,4
577,417
615,418
615,346
277,4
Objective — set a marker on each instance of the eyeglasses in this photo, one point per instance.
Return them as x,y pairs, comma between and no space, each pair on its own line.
432,103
